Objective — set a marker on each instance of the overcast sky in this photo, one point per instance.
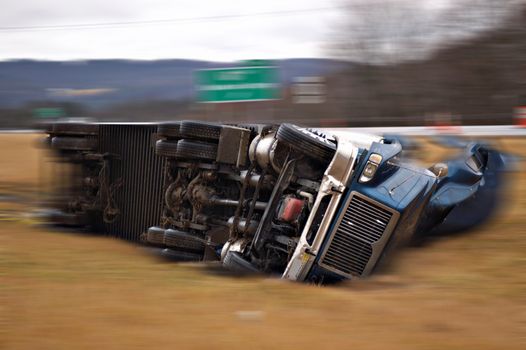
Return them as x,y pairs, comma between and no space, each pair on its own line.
256,34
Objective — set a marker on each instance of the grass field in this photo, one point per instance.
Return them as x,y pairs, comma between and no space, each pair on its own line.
74,291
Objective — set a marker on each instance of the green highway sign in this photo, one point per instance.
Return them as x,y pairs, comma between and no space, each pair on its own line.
48,112
238,84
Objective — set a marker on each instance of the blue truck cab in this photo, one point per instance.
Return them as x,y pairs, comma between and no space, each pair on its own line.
384,202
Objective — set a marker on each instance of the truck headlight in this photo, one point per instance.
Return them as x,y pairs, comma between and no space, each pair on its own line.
370,168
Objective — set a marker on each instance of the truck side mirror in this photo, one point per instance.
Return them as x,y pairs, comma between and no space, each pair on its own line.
439,169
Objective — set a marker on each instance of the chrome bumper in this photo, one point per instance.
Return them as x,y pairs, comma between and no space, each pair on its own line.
333,184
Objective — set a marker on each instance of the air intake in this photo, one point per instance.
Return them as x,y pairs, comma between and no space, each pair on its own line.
362,231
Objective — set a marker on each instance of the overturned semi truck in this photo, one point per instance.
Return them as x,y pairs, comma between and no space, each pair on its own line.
285,200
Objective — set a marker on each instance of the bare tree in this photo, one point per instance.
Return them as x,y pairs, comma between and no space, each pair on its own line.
412,58
390,31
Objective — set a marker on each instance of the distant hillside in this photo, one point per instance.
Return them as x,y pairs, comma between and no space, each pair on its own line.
101,83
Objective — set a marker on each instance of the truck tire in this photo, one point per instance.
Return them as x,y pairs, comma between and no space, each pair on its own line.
69,143
189,149
183,241
166,148
76,129
155,235
169,130
234,262
200,130
178,255
311,142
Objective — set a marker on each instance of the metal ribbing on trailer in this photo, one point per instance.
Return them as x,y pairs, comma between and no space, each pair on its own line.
139,199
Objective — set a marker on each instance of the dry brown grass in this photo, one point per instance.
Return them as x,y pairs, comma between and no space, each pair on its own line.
73,291
19,158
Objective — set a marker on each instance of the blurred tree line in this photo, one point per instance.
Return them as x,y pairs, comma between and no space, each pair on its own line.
469,65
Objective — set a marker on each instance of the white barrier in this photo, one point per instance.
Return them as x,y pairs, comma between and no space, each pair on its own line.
472,130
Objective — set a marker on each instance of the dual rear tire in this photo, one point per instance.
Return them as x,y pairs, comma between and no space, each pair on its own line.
74,136
188,140
74,143
186,149
175,240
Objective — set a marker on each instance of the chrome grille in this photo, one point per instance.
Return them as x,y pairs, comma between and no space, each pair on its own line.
361,230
